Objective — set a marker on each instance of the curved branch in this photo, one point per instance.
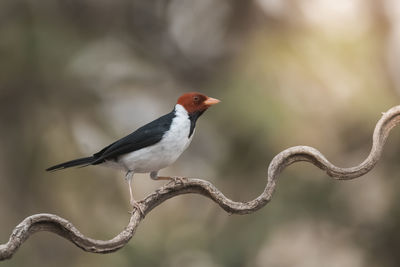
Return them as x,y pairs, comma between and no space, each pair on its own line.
62,227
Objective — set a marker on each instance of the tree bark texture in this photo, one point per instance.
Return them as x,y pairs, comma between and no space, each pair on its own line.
62,227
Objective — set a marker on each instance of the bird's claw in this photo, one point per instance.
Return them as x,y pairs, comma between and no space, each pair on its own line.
177,180
136,206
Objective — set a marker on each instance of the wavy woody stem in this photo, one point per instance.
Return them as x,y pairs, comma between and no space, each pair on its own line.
62,227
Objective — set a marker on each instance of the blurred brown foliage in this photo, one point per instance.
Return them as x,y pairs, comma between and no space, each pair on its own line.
76,75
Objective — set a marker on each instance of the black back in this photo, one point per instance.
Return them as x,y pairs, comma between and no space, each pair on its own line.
146,135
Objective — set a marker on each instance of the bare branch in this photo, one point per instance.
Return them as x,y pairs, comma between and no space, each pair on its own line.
62,227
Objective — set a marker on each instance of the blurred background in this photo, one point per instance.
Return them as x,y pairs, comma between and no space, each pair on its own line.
76,75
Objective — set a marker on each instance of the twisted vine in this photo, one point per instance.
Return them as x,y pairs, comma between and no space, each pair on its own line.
62,227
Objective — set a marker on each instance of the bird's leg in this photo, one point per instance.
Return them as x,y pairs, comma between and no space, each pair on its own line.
134,203
171,179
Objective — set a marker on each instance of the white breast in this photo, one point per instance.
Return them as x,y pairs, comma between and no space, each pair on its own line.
165,152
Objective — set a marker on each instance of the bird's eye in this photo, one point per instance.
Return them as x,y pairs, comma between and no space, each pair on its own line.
196,99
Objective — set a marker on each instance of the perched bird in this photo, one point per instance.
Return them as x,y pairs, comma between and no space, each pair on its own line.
153,146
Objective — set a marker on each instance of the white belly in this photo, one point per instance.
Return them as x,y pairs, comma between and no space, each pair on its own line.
165,152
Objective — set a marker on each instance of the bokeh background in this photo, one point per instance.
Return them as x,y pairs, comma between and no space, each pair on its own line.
75,75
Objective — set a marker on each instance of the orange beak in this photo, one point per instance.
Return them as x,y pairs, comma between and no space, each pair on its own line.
211,101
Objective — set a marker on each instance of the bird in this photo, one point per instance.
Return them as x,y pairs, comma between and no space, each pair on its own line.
153,146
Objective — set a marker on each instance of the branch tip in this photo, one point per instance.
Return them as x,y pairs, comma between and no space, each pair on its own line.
62,227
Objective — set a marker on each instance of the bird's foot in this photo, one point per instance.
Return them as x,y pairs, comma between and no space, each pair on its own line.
176,180
136,206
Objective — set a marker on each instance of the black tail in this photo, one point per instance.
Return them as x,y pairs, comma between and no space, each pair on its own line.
72,163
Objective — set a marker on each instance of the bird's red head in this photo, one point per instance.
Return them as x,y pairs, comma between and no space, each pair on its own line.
194,102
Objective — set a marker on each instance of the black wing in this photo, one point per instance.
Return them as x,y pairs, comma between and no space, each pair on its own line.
146,135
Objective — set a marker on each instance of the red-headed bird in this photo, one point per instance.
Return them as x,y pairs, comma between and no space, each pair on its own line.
153,146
